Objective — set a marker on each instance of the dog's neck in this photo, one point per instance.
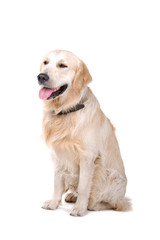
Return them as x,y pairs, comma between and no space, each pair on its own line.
72,109
77,104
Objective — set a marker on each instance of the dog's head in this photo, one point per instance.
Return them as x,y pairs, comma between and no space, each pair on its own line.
62,74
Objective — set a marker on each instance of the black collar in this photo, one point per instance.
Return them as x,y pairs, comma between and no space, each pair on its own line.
73,109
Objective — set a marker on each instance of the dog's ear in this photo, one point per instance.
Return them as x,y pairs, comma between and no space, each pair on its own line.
82,77
41,66
86,75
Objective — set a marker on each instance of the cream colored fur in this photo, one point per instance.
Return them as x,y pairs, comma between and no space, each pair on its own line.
83,145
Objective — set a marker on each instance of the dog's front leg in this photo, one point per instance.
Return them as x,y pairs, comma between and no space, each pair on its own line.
57,195
84,187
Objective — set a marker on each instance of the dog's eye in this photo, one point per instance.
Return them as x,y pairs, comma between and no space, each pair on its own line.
45,62
62,65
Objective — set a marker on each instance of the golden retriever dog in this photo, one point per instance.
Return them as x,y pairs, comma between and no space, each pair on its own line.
81,139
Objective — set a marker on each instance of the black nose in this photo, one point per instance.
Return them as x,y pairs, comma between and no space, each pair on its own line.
42,78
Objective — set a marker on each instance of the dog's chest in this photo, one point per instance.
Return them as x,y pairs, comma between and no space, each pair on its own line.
59,129
61,135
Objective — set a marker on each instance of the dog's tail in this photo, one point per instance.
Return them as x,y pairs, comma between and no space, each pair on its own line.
123,204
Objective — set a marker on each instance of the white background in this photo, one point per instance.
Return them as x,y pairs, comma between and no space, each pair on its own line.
120,43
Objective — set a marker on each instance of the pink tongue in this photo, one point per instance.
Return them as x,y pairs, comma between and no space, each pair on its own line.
45,93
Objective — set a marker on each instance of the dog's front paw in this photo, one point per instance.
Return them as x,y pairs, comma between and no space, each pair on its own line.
50,204
78,211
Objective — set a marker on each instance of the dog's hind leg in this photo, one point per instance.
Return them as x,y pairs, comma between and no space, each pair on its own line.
100,206
108,191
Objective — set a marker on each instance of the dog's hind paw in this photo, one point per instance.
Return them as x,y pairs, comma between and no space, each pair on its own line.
71,198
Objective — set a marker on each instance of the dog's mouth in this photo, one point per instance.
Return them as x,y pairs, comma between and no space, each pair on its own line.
50,93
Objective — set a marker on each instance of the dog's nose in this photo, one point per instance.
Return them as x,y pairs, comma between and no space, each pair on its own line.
42,78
